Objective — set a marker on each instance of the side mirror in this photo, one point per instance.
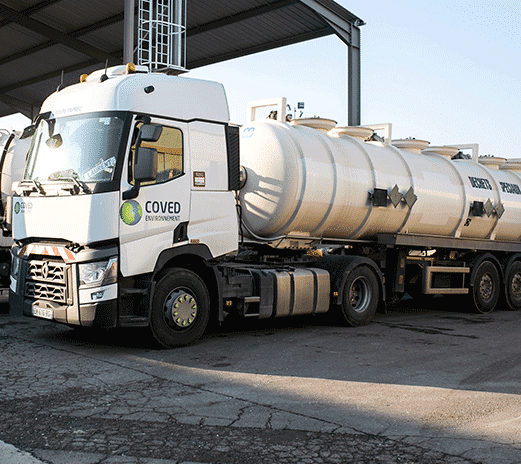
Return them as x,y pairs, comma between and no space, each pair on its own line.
150,132
145,159
145,166
56,141
29,131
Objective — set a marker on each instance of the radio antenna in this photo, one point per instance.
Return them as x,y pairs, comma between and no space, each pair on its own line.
104,76
61,86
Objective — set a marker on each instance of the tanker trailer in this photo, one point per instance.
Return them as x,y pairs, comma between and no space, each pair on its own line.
432,221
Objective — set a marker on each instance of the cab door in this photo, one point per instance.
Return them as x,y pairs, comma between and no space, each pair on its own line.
157,218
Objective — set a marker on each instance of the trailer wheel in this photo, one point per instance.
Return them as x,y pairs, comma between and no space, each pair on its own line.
180,308
513,286
360,296
485,289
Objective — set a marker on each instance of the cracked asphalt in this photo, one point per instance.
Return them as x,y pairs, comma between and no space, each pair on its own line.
419,385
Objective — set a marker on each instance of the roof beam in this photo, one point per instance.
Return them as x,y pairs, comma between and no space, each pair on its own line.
269,8
325,8
77,33
23,107
31,10
18,105
49,75
260,48
54,34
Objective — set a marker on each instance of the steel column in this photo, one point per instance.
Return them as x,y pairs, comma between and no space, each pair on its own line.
353,78
128,32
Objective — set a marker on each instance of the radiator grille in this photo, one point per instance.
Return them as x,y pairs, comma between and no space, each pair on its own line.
47,280
40,291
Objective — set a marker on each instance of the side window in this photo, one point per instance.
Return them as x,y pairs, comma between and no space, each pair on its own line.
169,155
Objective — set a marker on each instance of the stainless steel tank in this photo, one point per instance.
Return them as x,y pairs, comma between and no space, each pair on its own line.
312,179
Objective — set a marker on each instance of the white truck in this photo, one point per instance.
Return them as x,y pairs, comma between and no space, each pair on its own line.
12,162
141,205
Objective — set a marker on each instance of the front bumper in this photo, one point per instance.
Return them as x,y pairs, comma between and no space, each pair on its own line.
102,314
48,288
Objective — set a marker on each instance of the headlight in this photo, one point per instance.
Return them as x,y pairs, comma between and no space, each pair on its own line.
15,265
98,273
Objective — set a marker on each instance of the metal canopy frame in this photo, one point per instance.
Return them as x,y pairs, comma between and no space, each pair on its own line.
45,39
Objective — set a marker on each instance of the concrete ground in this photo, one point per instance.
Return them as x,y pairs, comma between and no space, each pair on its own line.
420,384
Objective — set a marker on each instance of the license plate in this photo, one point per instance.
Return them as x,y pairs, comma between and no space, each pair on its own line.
46,313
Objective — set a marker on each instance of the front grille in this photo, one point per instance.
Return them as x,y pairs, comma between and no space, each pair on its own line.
46,280
41,291
47,271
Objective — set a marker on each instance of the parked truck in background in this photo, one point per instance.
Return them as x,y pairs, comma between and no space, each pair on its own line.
141,205
12,162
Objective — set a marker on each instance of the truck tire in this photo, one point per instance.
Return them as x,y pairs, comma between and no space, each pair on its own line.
180,308
513,286
485,289
360,296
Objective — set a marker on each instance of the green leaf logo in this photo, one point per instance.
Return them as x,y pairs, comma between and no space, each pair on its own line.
130,212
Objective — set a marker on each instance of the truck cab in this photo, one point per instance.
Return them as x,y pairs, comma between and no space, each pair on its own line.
130,174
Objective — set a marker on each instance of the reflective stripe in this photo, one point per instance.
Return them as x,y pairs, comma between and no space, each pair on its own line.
47,251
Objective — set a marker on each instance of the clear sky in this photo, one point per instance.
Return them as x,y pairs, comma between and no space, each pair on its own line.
442,71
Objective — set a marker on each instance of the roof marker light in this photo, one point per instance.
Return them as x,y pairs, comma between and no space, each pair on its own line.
83,78
131,68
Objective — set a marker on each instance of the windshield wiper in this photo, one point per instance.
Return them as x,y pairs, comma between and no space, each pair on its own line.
81,185
37,186
71,176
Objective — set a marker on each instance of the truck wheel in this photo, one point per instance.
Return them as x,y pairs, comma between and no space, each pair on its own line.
360,296
513,286
180,308
485,289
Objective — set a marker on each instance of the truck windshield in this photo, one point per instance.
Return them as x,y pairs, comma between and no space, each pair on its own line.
84,148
